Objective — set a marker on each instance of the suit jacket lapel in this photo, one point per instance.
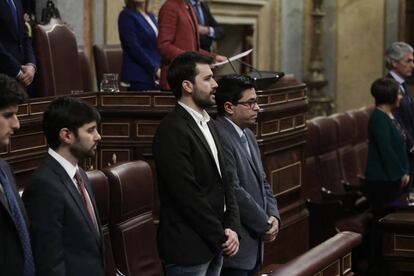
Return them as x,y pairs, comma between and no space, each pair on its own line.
77,198
255,158
193,20
193,126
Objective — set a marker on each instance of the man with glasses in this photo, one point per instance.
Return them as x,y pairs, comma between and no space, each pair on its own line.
399,61
237,109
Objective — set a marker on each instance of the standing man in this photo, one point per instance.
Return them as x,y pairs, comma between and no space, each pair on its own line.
198,215
15,251
208,27
16,54
237,110
61,207
178,33
400,62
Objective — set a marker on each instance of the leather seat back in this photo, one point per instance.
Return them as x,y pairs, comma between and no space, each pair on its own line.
133,233
59,69
100,188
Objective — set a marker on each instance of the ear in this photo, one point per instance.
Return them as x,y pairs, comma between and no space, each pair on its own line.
394,63
187,86
66,136
229,108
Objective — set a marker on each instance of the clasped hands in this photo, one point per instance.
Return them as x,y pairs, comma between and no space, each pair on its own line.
231,245
270,235
26,74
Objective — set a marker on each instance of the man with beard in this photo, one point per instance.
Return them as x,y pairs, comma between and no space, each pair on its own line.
199,218
237,110
65,228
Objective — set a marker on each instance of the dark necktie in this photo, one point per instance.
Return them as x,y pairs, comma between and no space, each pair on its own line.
86,199
20,223
406,93
13,11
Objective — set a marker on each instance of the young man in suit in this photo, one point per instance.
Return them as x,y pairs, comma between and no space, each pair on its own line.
237,110
15,251
178,33
16,53
65,228
199,218
400,62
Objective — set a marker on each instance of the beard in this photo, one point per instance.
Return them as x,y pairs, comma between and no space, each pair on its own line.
203,100
79,152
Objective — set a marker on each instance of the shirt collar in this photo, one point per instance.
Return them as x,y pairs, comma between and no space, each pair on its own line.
195,2
397,77
200,118
236,127
69,168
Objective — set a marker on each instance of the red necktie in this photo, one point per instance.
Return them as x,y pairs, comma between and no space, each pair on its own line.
86,199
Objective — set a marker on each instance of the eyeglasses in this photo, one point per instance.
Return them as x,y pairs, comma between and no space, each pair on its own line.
250,104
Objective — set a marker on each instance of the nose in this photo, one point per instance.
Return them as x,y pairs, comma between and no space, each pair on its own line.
214,84
97,136
15,124
256,106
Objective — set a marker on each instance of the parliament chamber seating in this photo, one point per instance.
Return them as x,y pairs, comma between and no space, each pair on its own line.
87,84
132,229
334,204
331,258
108,59
100,187
59,67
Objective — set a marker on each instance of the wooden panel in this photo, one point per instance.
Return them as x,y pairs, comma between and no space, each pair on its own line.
347,264
27,142
112,156
114,130
146,128
286,178
126,100
332,270
404,243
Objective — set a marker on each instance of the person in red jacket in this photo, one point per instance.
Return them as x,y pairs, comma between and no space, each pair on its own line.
178,33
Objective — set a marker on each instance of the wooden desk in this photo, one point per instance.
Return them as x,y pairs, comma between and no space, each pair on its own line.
129,122
398,243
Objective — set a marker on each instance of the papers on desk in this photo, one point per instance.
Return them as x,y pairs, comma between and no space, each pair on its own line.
243,54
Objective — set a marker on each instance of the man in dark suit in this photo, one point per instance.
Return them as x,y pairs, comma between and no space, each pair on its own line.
178,33
65,228
15,251
237,110
208,27
400,63
199,218
16,54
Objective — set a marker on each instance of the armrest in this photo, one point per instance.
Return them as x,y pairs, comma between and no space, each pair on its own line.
348,199
314,261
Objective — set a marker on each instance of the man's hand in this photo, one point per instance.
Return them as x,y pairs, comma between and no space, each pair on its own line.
231,246
203,30
405,180
271,234
219,58
27,74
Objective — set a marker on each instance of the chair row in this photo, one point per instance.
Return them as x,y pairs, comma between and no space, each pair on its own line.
336,153
63,67
124,197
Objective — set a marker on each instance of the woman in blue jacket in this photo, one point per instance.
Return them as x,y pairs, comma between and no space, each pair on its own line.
138,30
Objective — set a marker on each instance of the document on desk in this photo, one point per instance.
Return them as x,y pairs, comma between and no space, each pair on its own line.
243,54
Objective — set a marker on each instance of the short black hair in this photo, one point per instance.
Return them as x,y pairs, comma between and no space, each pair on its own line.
11,92
385,91
230,89
182,68
67,112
